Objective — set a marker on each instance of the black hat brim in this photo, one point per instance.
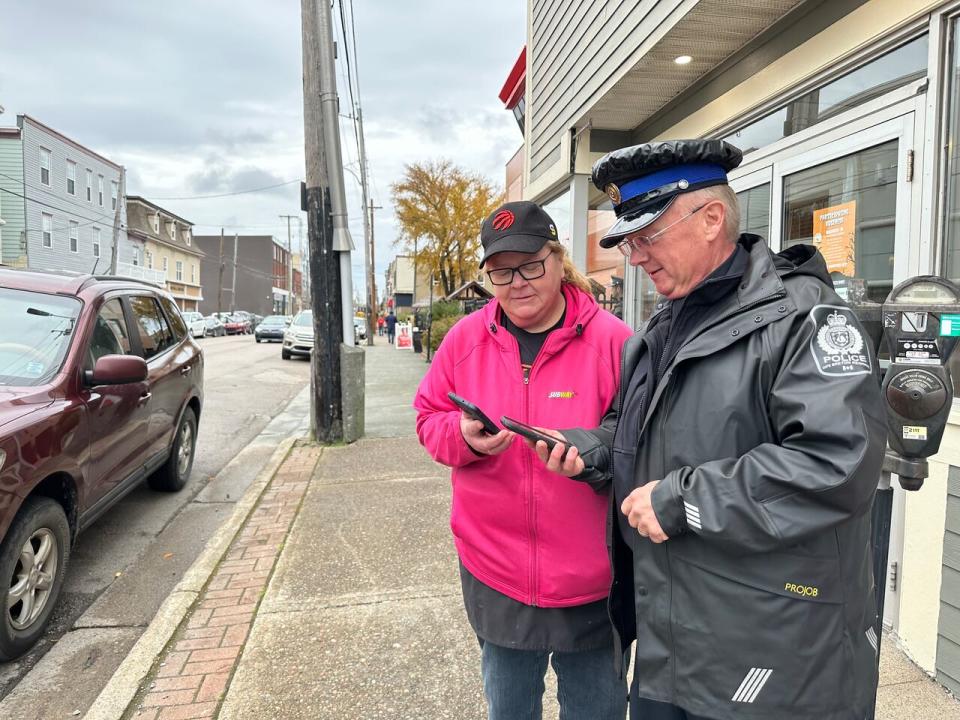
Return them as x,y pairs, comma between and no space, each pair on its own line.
514,243
634,221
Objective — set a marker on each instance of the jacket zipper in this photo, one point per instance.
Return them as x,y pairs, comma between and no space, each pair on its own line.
666,549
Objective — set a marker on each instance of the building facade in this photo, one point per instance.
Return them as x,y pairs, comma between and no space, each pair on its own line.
848,112
170,257
70,197
253,276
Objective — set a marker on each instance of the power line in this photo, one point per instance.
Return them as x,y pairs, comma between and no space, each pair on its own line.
229,194
48,191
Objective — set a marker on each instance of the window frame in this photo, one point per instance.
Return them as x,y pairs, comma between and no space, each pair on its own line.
74,236
46,236
89,179
46,154
114,194
178,270
100,189
96,237
71,170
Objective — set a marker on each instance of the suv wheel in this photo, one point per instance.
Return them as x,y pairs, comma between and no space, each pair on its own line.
175,472
33,561
285,354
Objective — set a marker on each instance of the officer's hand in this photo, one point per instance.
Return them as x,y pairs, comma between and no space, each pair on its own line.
569,466
472,431
639,511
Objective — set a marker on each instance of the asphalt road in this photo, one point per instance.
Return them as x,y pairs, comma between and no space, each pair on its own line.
123,567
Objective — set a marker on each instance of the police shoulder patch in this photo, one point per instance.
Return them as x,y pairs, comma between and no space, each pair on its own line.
837,343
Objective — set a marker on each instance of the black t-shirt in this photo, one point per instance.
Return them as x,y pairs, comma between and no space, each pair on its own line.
503,621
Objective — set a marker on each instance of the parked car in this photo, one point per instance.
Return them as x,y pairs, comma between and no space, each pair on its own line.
214,326
101,388
196,322
237,325
271,328
298,338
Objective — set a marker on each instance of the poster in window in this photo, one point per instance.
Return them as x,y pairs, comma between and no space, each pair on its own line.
834,234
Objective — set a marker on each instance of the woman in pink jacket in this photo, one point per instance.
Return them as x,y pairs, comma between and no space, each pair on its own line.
533,559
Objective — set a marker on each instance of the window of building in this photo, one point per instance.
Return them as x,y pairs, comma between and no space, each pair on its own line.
96,242
149,257
755,210
187,237
878,77
156,223
179,270
100,189
89,185
74,236
193,273
172,229
44,166
71,177
166,264
114,189
846,207
46,229
136,256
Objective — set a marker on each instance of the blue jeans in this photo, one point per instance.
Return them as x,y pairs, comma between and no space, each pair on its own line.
587,686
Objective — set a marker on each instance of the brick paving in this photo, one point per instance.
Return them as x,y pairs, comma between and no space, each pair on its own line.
191,676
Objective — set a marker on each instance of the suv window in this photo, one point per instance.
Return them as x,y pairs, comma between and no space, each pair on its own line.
175,318
155,334
109,332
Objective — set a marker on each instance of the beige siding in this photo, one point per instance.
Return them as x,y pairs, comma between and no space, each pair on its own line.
577,48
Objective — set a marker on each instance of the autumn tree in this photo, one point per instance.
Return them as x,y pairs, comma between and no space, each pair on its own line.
440,208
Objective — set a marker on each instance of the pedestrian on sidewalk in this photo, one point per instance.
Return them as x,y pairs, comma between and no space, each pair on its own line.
744,457
380,323
533,561
391,323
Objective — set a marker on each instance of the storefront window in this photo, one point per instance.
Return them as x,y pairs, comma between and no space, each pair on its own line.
951,226
846,207
755,211
895,69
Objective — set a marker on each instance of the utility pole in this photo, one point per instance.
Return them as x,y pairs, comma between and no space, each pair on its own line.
220,278
233,282
289,262
328,235
371,279
116,222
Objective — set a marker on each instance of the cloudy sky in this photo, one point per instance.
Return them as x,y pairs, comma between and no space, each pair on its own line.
205,98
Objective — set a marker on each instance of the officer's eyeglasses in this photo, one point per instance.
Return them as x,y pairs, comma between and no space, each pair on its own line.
637,242
528,271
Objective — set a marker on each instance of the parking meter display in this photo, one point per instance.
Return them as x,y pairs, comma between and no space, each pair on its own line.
474,412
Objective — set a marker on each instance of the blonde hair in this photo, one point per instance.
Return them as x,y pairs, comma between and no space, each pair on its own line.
571,275
731,216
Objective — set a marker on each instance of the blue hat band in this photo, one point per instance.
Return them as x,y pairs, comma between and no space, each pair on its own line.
669,181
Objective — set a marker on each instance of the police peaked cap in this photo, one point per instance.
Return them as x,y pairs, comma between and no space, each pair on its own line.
643,180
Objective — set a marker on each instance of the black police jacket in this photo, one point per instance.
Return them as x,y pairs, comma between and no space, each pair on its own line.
767,435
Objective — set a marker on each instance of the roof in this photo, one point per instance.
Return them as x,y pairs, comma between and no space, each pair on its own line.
470,291
144,201
60,282
64,138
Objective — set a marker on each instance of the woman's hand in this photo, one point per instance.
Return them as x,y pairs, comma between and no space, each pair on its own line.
571,464
473,433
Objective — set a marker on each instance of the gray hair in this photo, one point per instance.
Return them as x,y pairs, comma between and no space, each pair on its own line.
726,195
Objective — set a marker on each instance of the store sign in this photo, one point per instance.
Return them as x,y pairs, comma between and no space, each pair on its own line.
834,234
404,339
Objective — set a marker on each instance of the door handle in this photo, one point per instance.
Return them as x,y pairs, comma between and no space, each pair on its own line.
143,398
185,369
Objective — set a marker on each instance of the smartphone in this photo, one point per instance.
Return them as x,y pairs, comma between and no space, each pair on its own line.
474,412
531,433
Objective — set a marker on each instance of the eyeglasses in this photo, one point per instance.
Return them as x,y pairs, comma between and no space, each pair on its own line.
528,271
637,241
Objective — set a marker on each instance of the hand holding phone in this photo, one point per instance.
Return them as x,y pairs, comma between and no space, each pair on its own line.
531,433
474,412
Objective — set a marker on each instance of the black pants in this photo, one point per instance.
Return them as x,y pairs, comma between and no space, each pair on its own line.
643,709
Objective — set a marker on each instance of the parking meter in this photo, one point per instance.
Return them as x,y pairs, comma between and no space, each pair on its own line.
921,323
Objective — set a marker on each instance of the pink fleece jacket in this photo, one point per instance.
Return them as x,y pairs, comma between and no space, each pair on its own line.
530,534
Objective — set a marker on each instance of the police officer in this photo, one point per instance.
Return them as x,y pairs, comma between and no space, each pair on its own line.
744,450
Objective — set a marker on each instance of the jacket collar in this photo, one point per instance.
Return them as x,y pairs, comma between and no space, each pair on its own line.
581,309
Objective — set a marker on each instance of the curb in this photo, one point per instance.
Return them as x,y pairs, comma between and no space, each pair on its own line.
121,689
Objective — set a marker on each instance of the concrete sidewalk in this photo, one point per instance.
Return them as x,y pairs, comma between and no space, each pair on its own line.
338,598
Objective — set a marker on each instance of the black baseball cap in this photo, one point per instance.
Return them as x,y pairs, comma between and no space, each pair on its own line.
520,226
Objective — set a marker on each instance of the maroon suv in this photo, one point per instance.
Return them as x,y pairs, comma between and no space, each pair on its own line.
100,389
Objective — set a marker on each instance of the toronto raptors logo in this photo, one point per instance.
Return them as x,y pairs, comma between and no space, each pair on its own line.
837,344
502,220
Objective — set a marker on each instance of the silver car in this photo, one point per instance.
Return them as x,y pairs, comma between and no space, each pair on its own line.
298,338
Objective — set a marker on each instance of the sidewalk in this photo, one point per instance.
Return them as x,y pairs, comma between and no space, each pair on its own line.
337,597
